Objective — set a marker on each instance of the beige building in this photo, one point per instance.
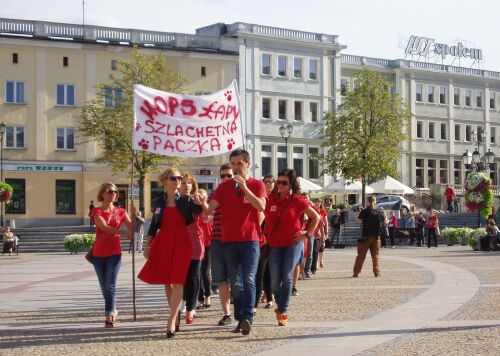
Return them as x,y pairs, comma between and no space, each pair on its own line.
47,78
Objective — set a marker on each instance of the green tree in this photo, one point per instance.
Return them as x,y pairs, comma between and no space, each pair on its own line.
108,118
364,135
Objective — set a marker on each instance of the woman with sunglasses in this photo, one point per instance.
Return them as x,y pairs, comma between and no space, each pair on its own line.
284,212
107,250
168,248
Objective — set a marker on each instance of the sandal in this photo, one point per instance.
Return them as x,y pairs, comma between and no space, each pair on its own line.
109,322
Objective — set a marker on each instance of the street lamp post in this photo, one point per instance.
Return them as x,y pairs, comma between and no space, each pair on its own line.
2,133
474,160
285,133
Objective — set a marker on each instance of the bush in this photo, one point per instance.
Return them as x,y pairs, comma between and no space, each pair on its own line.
88,240
462,235
73,242
476,235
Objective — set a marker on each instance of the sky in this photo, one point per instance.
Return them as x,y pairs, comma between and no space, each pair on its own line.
372,28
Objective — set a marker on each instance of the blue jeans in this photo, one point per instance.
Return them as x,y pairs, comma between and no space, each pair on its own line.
335,235
107,269
282,262
310,252
242,259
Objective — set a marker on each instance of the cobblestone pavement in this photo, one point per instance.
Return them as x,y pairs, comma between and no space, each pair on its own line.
51,304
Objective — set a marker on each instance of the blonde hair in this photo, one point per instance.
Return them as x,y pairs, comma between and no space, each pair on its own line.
166,174
188,176
203,192
103,188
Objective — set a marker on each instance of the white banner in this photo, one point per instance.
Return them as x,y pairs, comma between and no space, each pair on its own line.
185,125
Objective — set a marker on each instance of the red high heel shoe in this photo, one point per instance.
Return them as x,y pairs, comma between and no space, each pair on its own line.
189,320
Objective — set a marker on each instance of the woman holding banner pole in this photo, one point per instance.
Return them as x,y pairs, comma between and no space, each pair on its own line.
168,248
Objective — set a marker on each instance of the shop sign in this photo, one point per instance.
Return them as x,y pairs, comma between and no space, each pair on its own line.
205,172
425,46
41,168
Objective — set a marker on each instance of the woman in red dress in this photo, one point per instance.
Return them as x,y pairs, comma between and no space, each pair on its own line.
107,250
168,250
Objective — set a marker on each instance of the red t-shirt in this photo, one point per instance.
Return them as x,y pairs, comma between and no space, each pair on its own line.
449,193
207,233
107,244
291,209
432,221
240,220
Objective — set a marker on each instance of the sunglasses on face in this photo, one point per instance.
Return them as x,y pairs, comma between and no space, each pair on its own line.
111,191
226,176
281,182
175,178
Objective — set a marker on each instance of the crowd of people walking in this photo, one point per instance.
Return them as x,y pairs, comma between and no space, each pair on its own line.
251,240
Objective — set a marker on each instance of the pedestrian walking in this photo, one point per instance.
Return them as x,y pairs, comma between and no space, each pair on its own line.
284,212
189,188
371,220
138,233
263,277
336,222
206,276
420,223
168,248
393,227
107,250
432,229
384,232
91,207
241,199
219,266
411,228
449,194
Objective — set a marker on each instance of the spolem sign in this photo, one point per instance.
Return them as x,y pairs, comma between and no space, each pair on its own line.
424,46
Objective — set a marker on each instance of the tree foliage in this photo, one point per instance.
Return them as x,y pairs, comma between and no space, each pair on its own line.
111,125
364,135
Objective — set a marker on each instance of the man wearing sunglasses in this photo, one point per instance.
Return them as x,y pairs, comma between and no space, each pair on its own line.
218,263
242,199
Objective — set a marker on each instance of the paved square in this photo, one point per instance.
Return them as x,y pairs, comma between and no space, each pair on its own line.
428,301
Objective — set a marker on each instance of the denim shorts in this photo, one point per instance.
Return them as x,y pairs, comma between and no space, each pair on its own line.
219,266
301,256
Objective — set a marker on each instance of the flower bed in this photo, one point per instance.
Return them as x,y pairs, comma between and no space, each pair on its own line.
76,242
479,193
463,235
454,236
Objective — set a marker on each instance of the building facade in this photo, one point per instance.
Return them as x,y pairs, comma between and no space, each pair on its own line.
48,72
449,105
286,78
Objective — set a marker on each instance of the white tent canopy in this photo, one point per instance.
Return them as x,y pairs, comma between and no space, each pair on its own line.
389,185
308,186
341,186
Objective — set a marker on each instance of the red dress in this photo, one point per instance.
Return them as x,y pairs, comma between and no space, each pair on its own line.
170,255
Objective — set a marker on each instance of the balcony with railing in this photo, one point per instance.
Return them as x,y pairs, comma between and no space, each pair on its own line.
116,36
424,66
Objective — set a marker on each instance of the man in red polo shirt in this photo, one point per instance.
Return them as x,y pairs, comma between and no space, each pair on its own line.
241,199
